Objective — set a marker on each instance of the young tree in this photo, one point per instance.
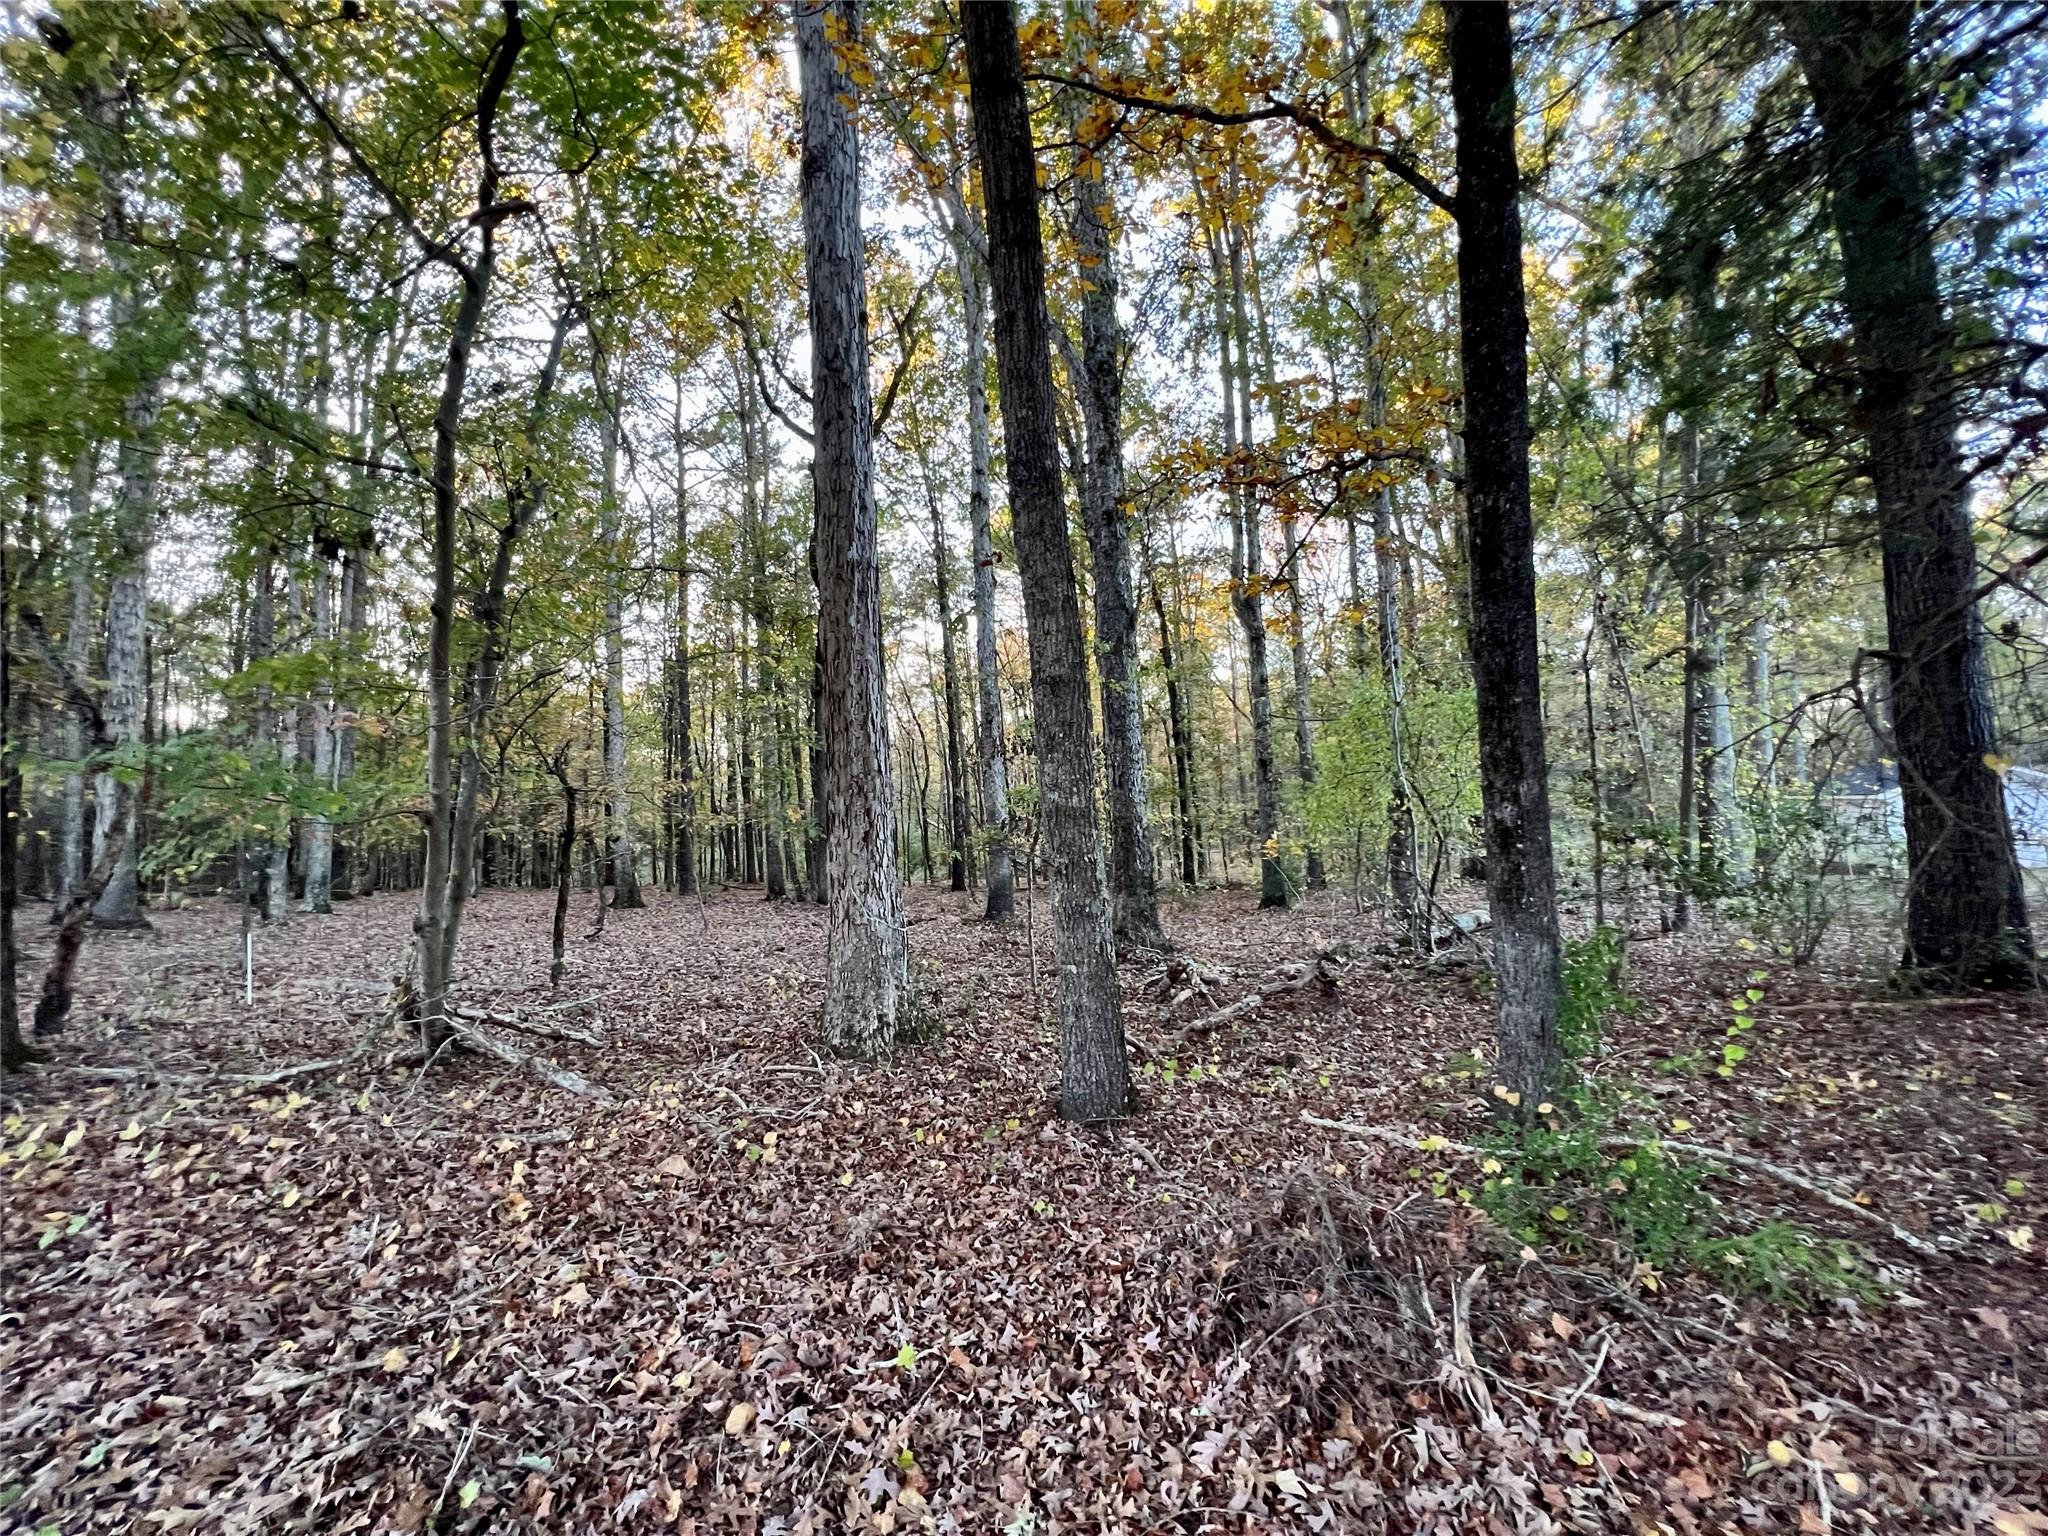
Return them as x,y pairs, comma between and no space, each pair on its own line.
1966,910
1095,1072
867,991
1507,678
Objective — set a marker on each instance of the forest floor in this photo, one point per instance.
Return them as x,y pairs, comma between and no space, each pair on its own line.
763,1291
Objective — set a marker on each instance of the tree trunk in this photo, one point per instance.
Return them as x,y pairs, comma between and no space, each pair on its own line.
988,720
1402,877
1095,1073
817,836
867,990
1133,895
14,1051
686,767
619,843
120,903
1247,582
316,837
1966,911
957,859
130,313
1493,323
1181,745
78,655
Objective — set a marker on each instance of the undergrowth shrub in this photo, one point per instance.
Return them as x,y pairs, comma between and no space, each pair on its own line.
1590,1169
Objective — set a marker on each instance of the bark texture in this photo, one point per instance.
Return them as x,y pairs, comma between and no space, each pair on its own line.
988,698
1514,774
1966,913
1133,892
1095,1071
867,988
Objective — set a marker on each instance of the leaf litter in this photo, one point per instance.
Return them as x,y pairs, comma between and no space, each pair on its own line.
769,1292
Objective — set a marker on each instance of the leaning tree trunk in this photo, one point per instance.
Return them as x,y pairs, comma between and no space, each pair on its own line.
1966,911
1133,893
1507,679
1095,1073
988,716
451,790
867,988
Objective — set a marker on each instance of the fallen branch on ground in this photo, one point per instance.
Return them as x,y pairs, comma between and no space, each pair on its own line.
539,1066
1326,966
527,1027
1786,1176
156,1075
1838,1004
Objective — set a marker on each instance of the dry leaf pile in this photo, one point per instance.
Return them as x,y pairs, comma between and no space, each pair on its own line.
769,1292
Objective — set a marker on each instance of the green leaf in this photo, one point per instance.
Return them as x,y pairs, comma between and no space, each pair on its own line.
469,1491
906,1358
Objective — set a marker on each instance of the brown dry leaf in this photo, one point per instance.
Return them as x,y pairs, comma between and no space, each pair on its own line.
739,1419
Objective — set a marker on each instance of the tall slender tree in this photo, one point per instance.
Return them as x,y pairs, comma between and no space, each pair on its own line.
1507,678
1099,381
867,991
1095,1071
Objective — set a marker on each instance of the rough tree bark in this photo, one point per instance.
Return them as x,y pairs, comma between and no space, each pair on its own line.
1493,325
1966,911
988,715
1095,1071
1099,383
867,988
